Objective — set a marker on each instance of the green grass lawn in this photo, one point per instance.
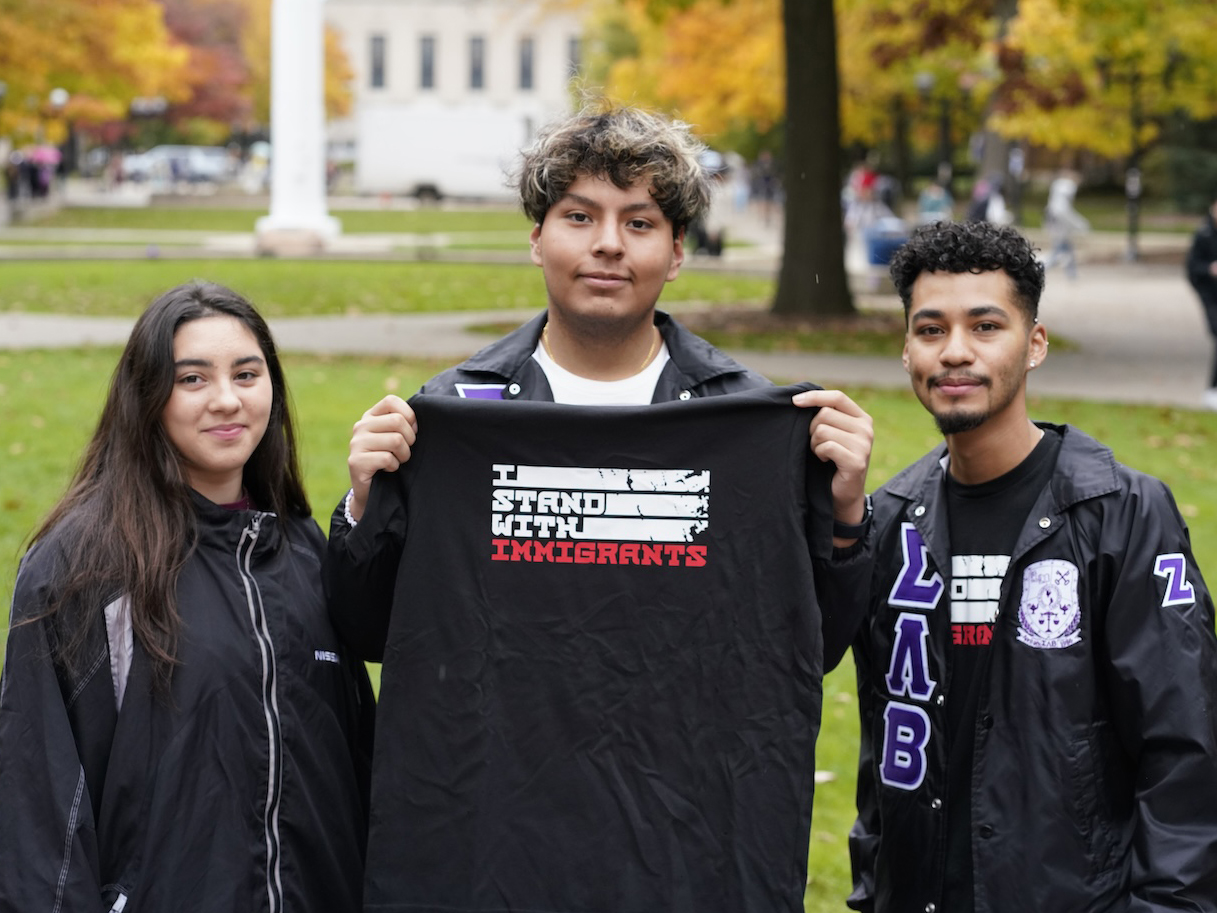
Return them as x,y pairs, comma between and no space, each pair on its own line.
354,221
302,287
49,403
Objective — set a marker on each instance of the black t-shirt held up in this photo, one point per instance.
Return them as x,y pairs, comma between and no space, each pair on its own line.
602,682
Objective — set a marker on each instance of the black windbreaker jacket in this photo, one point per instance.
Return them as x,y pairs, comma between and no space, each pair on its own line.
245,792
1094,779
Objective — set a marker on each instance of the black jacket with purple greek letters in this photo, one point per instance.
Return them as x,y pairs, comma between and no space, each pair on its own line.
1094,778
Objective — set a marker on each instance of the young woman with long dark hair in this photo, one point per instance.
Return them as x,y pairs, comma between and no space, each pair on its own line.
180,728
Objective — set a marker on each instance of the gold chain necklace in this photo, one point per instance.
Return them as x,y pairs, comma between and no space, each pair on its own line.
646,361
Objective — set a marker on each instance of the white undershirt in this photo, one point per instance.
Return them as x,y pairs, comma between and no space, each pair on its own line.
574,390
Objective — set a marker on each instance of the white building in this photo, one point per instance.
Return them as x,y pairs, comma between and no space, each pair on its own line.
446,92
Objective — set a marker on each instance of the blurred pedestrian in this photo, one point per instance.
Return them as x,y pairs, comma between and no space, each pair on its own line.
12,175
934,204
765,185
872,230
1202,274
988,204
1063,223
708,232
737,177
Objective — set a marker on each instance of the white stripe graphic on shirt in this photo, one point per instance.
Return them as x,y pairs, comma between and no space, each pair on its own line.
976,587
589,503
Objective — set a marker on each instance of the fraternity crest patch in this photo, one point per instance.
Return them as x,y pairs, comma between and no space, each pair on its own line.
1049,616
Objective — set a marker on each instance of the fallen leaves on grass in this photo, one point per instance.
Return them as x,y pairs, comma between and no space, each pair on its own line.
763,331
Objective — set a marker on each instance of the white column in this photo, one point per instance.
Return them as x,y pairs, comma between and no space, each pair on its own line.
298,220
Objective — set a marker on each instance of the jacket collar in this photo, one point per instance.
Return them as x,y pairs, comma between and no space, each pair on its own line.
1085,469
696,359
220,524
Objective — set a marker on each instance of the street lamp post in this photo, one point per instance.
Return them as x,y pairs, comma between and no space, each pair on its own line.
900,145
59,101
1110,72
946,149
1016,166
3,139
1132,178
9,179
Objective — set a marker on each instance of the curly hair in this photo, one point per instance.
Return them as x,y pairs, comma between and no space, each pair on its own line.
970,247
623,144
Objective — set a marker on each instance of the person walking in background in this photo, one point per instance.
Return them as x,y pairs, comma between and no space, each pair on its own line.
862,211
1201,268
708,232
739,180
934,204
1063,224
1037,668
766,185
181,730
988,203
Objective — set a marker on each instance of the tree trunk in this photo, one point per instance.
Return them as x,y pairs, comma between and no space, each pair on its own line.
812,281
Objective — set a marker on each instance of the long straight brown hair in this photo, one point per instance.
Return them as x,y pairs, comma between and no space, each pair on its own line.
127,521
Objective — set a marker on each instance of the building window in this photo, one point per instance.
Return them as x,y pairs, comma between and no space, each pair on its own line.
477,62
376,69
426,70
574,56
527,50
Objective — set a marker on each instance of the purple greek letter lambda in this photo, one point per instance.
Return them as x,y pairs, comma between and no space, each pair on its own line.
1174,568
908,672
906,732
915,588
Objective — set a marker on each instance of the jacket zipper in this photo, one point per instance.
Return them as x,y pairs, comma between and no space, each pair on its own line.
270,707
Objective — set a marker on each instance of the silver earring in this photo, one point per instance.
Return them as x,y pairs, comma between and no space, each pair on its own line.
1033,364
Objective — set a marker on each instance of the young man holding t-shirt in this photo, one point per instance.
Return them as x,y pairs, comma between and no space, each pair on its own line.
609,724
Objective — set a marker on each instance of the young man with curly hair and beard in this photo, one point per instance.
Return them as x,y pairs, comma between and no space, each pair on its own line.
600,720
1037,669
